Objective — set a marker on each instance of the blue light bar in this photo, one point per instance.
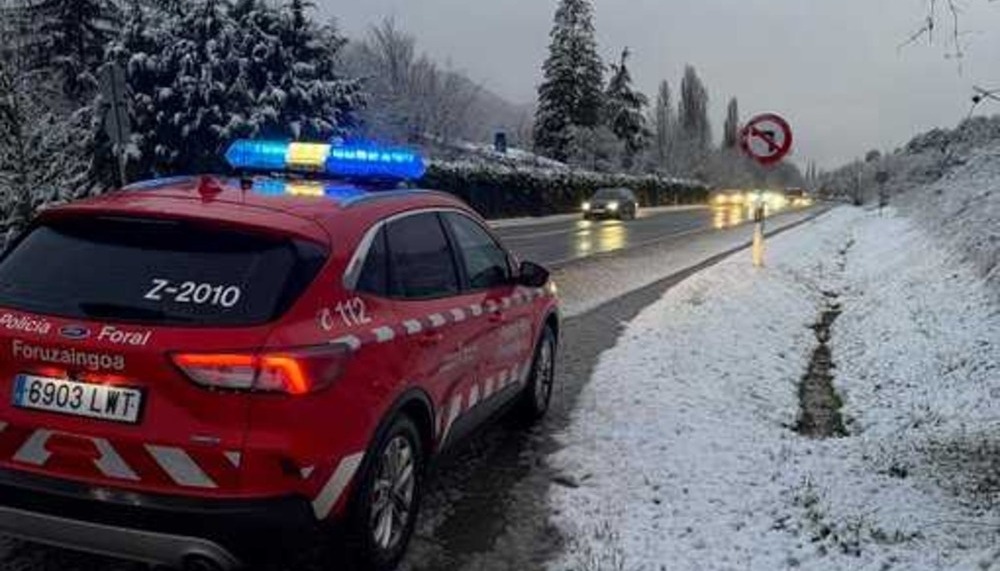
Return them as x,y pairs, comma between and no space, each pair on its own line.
348,161
257,155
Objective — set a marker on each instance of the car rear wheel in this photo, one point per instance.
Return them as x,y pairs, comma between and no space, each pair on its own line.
388,498
537,395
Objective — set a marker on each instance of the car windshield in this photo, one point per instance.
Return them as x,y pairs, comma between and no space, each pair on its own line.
609,194
155,271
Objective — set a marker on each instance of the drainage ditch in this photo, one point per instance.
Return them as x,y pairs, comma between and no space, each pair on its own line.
819,402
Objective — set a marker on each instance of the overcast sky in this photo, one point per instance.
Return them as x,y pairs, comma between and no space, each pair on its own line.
833,67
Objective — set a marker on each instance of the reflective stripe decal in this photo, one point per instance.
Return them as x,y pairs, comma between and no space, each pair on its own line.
412,327
453,411
476,310
180,467
502,380
437,320
350,340
234,458
384,334
473,396
458,315
33,450
335,486
111,464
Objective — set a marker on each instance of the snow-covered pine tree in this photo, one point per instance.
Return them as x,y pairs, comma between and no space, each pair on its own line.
75,33
43,151
731,130
624,111
219,71
663,120
695,131
571,92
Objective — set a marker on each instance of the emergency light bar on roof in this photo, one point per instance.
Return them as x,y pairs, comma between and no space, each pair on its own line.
348,161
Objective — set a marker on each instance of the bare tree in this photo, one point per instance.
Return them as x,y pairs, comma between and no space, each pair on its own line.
928,28
413,99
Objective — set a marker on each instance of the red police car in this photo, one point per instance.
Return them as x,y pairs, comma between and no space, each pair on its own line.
200,369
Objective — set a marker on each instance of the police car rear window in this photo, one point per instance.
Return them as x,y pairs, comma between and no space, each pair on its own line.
157,272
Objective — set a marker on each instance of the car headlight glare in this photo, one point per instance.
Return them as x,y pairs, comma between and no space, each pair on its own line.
586,206
612,206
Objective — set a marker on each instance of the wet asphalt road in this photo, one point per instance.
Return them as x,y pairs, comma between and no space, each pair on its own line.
555,243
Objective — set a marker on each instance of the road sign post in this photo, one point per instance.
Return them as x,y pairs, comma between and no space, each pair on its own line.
882,177
117,125
766,139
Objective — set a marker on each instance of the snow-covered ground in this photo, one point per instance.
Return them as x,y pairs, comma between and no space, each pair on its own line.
682,453
963,207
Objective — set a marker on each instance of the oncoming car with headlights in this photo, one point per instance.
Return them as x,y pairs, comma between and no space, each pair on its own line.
202,369
620,203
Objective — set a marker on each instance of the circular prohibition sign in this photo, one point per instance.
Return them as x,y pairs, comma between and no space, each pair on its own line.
767,138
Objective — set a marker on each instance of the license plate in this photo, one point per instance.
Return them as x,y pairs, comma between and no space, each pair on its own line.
104,402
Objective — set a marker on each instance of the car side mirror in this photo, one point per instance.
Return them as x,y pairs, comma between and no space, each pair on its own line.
531,274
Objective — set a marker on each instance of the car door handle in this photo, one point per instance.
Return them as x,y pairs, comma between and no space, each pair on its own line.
430,338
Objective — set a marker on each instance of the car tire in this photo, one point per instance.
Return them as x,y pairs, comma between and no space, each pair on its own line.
377,539
537,396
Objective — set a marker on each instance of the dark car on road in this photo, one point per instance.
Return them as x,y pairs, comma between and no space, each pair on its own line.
619,203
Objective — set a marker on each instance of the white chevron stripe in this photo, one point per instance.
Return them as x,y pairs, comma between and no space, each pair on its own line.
181,468
458,315
436,319
33,450
453,412
488,388
473,397
476,310
235,458
412,327
111,464
335,486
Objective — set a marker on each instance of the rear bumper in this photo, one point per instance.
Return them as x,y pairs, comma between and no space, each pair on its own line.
161,530
149,547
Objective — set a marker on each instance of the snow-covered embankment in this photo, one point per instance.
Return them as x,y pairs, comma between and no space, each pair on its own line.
683,452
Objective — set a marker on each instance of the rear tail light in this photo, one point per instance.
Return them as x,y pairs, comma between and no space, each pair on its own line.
293,371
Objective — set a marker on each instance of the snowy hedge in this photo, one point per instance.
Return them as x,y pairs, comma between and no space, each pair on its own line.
499,191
